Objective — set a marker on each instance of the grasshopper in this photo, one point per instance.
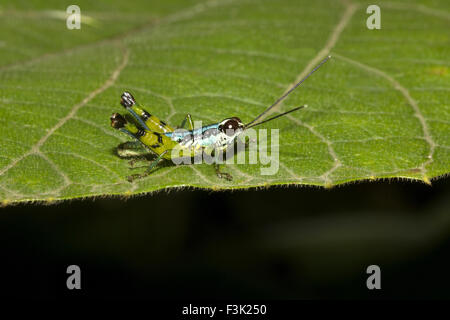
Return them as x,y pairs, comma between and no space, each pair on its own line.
153,135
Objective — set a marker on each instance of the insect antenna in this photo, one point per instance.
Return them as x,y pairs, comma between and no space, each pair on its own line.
286,94
277,116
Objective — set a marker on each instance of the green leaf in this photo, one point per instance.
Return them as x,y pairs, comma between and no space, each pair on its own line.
379,108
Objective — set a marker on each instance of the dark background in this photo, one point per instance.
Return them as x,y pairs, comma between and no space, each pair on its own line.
277,243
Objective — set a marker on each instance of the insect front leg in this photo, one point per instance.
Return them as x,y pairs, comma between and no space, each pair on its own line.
222,175
189,119
213,153
148,171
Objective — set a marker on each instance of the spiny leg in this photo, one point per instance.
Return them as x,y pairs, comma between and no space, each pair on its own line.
222,175
189,119
147,172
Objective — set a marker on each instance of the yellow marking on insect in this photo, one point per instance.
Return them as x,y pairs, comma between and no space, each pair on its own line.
154,123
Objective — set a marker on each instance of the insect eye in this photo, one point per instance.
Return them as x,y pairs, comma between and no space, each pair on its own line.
230,127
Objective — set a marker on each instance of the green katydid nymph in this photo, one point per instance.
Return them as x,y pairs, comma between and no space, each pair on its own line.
153,135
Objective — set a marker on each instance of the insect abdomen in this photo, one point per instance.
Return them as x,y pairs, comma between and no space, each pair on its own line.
156,141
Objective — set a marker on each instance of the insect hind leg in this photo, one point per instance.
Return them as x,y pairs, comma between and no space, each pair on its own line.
127,101
134,151
131,149
149,169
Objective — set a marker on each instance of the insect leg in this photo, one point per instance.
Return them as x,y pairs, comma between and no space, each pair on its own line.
222,175
187,118
127,100
131,149
147,172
